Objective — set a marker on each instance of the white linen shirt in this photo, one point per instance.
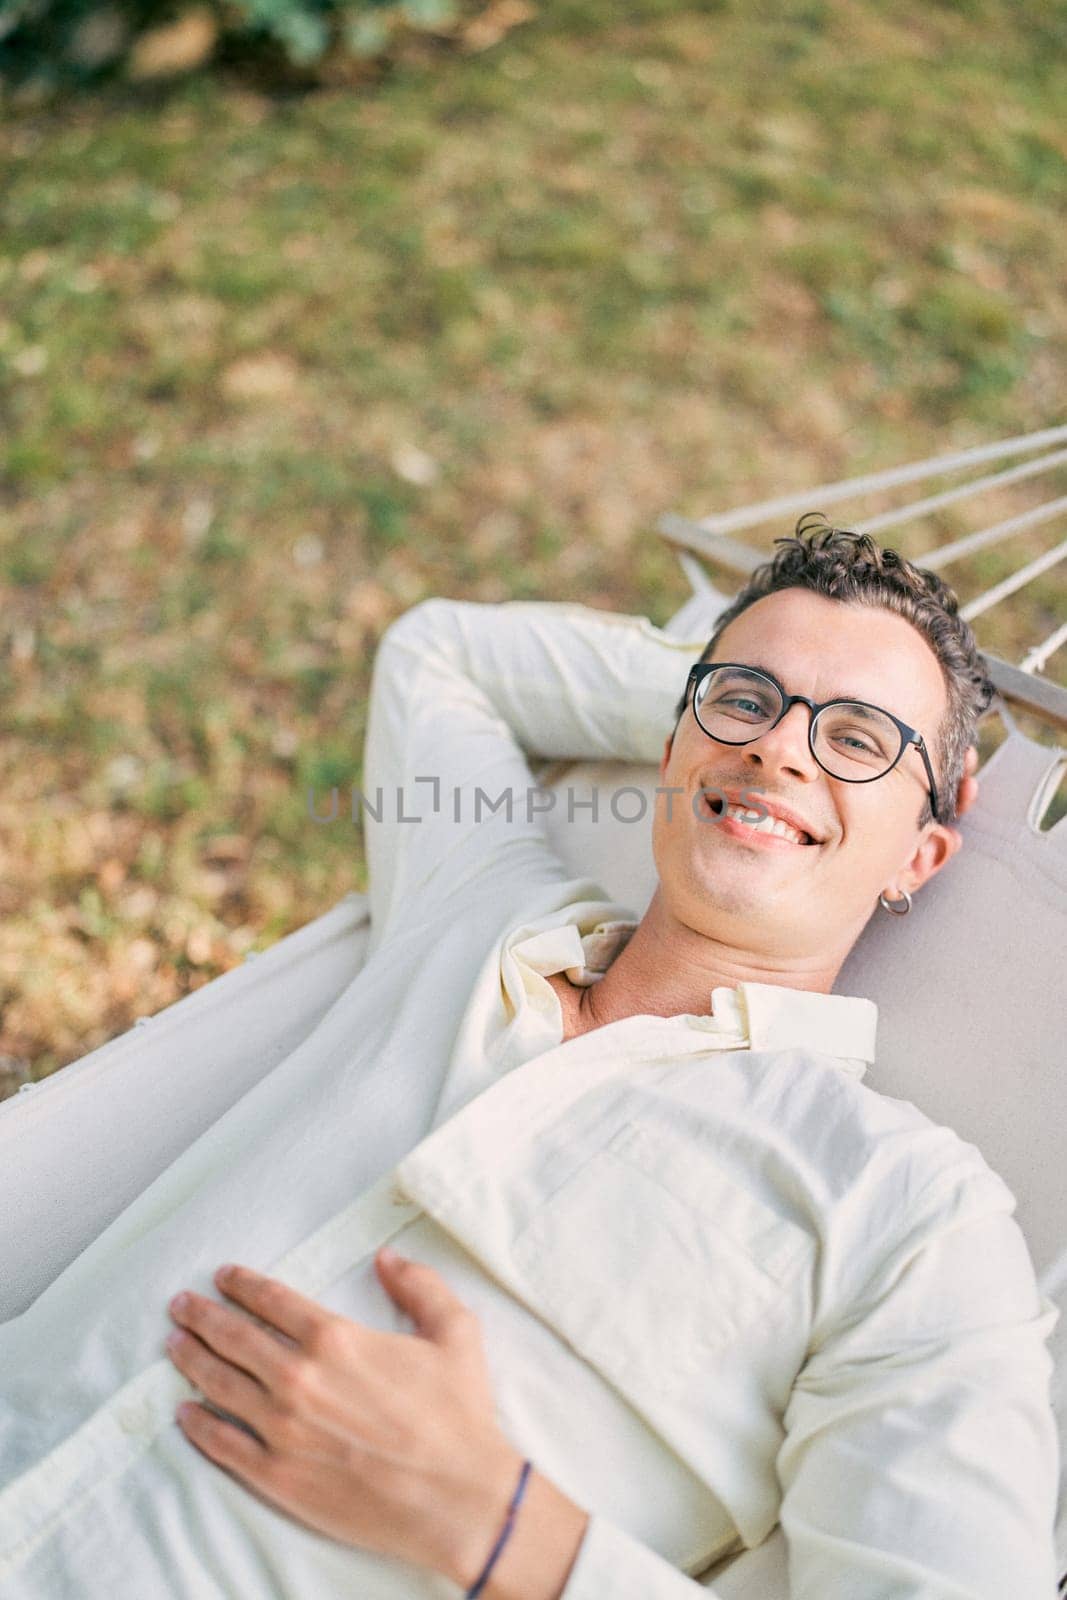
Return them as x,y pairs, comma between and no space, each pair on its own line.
723,1281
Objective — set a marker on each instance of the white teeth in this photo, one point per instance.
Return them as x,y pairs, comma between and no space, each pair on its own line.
762,822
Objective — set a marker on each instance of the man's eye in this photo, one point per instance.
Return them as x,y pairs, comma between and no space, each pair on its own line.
858,744
743,704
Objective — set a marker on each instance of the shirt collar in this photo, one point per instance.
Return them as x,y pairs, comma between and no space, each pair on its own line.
767,1016
778,1018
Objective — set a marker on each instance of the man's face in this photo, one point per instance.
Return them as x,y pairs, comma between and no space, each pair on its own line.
775,894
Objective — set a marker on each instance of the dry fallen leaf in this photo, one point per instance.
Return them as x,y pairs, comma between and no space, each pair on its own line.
495,21
226,847
415,465
260,377
180,46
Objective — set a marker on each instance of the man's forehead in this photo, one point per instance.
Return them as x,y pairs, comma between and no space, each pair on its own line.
830,649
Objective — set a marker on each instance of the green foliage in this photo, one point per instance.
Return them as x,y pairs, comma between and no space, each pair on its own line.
63,41
70,39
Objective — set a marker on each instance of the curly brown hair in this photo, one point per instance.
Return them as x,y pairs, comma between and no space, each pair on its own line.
848,566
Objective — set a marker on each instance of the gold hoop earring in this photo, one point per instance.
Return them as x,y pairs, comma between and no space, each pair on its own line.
899,908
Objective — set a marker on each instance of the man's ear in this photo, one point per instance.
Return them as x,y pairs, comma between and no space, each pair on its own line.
935,850
667,744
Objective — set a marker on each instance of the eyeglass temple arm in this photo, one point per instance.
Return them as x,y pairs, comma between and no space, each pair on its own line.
920,745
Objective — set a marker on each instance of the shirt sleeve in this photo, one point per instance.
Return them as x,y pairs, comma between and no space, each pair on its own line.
463,696
920,1459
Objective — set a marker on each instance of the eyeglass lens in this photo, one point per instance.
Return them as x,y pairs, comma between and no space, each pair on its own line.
851,740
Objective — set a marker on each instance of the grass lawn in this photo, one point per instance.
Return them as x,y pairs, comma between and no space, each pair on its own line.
272,370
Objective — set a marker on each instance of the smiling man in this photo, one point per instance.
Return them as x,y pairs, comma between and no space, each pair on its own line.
671,1268
784,904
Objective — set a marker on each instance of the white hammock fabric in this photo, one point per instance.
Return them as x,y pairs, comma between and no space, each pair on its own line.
969,990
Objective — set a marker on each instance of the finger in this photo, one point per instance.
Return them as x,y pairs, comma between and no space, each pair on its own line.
225,1444
225,1385
234,1337
967,788
419,1289
284,1308
967,795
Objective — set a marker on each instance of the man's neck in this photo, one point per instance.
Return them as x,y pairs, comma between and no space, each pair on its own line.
668,969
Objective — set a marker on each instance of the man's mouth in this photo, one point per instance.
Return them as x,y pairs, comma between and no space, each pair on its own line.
760,822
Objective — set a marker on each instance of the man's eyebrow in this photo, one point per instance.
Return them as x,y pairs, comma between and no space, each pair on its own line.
758,666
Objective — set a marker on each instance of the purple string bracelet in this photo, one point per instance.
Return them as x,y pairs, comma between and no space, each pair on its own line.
509,1523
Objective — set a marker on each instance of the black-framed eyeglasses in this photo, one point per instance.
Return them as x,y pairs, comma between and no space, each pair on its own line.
850,740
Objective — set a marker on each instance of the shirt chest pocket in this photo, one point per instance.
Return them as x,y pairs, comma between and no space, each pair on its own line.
650,1258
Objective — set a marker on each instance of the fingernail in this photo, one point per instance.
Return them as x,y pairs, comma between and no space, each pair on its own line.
387,1255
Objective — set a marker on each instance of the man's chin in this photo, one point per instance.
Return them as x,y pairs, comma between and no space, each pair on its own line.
740,896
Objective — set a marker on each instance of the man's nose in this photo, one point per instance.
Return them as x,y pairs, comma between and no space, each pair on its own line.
785,748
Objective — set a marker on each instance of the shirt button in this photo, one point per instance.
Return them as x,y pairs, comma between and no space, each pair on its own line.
135,1418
